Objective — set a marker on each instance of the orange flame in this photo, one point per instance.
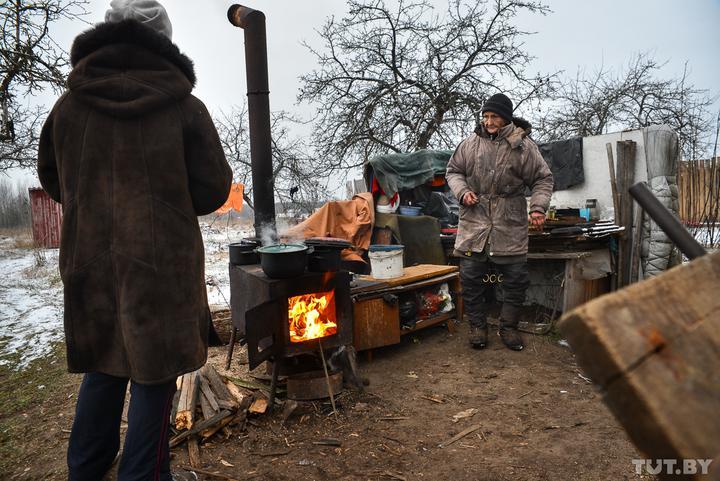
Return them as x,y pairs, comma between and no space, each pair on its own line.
311,316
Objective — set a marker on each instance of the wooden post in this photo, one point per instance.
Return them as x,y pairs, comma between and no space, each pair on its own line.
636,245
626,172
613,183
615,276
654,349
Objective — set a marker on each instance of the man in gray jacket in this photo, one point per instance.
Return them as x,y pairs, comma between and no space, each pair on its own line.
489,173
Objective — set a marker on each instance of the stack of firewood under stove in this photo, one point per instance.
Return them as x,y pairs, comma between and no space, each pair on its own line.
208,405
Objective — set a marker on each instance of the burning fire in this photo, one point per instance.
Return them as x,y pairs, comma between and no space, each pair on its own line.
311,316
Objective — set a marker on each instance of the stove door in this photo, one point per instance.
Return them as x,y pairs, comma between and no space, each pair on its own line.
263,331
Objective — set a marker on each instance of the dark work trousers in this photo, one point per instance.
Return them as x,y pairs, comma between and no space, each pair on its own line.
95,436
475,277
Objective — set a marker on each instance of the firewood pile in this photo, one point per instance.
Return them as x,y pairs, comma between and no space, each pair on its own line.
207,405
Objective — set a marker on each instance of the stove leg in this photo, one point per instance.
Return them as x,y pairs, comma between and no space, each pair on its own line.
273,384
345,359
355,378
231,347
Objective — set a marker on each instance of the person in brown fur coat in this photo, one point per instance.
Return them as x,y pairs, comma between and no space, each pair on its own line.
134,158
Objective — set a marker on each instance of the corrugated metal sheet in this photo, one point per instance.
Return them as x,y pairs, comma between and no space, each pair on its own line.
46,218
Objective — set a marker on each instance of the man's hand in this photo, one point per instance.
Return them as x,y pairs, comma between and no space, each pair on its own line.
536,219
470,198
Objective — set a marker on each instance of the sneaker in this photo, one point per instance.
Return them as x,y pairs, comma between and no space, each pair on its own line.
478,337
511,338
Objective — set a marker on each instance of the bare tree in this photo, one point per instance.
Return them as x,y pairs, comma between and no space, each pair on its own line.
300,180
406,79
30,61
637,96
14,204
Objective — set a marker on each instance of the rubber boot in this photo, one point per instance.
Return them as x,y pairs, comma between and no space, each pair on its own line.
509,334
478,336
511,338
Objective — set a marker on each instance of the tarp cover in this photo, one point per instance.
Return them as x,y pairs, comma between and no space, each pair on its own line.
565,159
396,172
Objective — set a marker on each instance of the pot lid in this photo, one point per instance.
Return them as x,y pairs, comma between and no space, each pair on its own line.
282,248
251,240
385,247
328,242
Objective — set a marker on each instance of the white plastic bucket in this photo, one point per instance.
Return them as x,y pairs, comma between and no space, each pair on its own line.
386,261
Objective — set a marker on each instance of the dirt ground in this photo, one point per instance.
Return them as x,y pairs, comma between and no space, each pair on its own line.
539,420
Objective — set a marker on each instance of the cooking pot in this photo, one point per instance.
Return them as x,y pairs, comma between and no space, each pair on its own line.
282,261
326,253
243,253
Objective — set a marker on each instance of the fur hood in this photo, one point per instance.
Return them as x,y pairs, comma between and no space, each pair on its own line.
519,122
128,70
514,132
130,32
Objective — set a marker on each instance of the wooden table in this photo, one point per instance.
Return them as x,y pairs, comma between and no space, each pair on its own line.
377,318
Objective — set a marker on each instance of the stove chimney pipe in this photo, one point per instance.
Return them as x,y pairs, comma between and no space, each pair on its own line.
253,24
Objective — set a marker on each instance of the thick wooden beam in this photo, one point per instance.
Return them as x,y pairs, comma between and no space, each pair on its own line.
654,348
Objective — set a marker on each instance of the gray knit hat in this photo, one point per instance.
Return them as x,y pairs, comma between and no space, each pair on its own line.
147,12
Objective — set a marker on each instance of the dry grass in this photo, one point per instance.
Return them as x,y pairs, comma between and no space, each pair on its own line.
22,236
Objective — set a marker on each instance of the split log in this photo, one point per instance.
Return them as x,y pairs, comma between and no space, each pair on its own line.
235,391
187,401
232,405
259,406
199,426
208,393
654,348
194,452
210,432
218,386
239,418
206,408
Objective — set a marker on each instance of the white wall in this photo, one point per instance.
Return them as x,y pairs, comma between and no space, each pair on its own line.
597,174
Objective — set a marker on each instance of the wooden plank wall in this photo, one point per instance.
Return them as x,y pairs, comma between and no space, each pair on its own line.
46,219
699,191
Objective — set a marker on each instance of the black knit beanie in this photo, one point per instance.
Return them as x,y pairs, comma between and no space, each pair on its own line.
501,105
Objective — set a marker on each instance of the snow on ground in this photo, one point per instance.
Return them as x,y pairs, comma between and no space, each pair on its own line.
217,237
31,296
707,236
30,303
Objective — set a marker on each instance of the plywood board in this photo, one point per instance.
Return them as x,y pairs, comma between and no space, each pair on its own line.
375,324
415,273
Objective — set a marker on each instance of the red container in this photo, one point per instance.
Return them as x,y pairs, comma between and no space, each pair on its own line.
46,218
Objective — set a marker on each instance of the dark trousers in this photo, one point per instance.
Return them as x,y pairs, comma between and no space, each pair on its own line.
476,281
95,436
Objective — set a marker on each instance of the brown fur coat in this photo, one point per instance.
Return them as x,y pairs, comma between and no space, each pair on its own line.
134,158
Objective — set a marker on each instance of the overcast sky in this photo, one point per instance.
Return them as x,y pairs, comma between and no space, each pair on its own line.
577,34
